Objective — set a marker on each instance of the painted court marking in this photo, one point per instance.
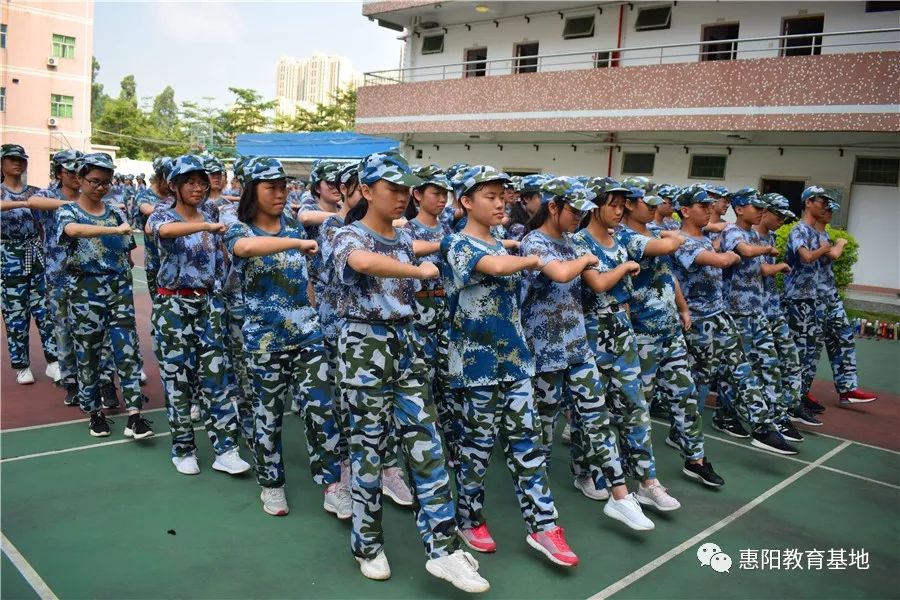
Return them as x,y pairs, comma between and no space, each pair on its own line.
39,586
659,561
84,420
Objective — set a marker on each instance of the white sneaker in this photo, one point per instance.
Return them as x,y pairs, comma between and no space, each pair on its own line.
52,371
586,486
195,413
375,568
274,501
337,501
24,376
656,496
394,487
628,511
186,465
567,434
231,462
460,569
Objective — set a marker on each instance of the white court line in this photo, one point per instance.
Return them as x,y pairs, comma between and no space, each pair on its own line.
39,586
86,447
659,561
84,420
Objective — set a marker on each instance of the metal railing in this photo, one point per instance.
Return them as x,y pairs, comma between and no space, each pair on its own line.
735,49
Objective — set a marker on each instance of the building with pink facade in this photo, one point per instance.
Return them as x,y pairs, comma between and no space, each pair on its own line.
45,78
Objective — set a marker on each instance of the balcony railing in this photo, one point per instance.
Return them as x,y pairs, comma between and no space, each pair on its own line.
742,48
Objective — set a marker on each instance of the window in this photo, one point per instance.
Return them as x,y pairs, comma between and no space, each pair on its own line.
63,46
579,27
2,35
476,59
526,57
724,50
789,188
707,167
876,171
61,106
649,19
2,99
802,46
882,6
601,60
433,44
634,163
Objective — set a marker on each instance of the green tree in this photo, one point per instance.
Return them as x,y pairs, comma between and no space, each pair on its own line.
165,112
247,114
338,115
98,98
128,89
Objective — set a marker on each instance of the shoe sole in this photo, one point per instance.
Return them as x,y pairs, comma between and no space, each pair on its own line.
330,509
222,469
100,433
791,439
651,502
731,433
25,382
614,515
374,577
476,549
548,554
439,572
848,401
805,422
693,475
110,406
137,436
594,498
197,472
278,513
672,444
394,498
771,449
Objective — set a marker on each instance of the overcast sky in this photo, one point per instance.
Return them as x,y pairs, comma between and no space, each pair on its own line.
203,48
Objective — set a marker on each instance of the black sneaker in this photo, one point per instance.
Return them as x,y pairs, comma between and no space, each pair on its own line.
703,473
814,407
110,398
99,424
71,395
731,427
672,442
789,432
659,412
801,414
773,442
138,427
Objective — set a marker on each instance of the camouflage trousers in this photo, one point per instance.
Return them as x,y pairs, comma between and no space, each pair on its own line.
192,361
594,445
337,402
806,322
58,313
788,359
665,367
840,345
715,347
101,306
759,346
154,298
432,321
506,411
279,377
619,370
384,383
242,389
21,298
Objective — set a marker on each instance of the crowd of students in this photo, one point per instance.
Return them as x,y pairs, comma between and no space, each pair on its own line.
415,316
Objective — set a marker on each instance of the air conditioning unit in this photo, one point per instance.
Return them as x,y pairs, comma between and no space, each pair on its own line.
51,122
52,61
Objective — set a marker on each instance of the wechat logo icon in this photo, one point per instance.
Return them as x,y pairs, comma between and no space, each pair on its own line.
711,555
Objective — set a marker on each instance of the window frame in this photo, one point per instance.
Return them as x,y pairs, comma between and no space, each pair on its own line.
425,38
814,48
643,9
475,68
705,51
692,175
579,36
4,35
882,184
528,63
63,45
626,154
58,103
2,99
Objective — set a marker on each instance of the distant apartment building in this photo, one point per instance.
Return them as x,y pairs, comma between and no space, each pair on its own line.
45,79
310,81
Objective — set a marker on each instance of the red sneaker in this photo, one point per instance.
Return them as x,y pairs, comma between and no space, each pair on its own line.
478,538
552,544
857,396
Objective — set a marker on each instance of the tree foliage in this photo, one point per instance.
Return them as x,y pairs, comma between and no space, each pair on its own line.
339,115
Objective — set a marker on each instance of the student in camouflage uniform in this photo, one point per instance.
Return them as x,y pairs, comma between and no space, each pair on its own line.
663,220
659,314
145,203
606,290
189,316
717,222
385,376
282,338
836,329
22,281
744,294
98,243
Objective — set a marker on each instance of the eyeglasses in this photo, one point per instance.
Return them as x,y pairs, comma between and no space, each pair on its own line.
200,185
99,183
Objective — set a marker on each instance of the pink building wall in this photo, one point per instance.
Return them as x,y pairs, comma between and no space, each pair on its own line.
29,81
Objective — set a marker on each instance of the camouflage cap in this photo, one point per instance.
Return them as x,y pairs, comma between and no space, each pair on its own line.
515,181
604,186
67,159
389,166
530,184
455,169
324,170
778,204
264,168
833,205
238,167
13,151
642,183
635,193
347,172
160,162
815,191
184,164
668,191
472,176
652,200
213,164
746,196
716,190
693,194
572,190
97,160
432,174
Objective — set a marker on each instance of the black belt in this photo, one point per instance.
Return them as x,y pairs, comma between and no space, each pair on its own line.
388,322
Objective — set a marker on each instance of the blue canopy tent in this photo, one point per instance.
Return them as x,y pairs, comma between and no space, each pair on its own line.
307,147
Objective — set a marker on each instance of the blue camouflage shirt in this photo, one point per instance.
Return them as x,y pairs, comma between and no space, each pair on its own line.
773,296
551,312
54,253
802,283
701,285
273,292
827,286
151,252
372,299
190,261
420,231
653,310
327,299
103,255
18,223
743,290
487,343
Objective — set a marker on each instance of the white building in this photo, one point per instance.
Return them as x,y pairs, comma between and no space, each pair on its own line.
310,81
773,95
